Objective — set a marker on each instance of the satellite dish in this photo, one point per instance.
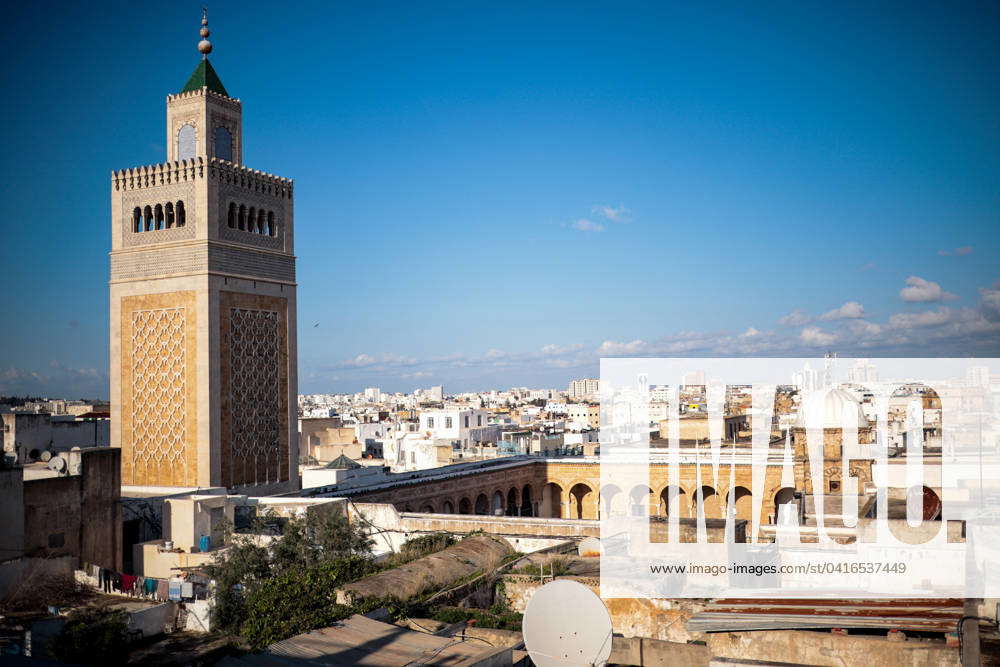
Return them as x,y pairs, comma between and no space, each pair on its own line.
57,463
46,455
556,636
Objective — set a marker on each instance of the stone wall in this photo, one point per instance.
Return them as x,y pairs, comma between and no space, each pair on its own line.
824,648
11,513
630,617
77,515
392,528
571,488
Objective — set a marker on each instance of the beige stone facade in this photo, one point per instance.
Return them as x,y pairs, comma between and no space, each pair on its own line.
203,327
571,489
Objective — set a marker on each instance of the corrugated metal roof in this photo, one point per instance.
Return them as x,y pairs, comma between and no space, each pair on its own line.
362,641
734,614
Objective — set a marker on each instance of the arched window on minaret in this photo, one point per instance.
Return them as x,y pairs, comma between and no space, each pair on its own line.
242,219
262,221
181,218
158,215
187,142
147,217
272,230
137,219
169,211
251,219
223,144
232,215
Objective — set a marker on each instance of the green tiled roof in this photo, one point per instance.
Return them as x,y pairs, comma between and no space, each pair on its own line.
342,462
204,76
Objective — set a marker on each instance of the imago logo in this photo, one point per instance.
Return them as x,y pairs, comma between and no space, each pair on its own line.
797,477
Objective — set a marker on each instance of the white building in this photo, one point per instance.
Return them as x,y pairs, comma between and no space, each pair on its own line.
581,416
863,372
584,388
978,376
466,427
660,394
808,379
556,407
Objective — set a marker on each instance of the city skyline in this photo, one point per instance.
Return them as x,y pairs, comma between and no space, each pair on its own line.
501,198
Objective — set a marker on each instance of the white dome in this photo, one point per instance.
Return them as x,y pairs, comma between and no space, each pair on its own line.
830,408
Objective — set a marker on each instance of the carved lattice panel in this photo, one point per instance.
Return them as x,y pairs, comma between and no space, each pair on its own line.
158,402
255,358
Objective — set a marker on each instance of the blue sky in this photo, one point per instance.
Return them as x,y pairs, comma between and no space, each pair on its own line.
495,194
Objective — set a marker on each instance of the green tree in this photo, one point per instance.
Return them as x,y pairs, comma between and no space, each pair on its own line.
299,600
318,538
312,555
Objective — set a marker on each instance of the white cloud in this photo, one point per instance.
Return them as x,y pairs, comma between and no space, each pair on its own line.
612,213
367,361
989,302
796,318
940,331
958,252
922,291
359,361
927,318
57,379
585,225
553,349
610,347
816,336
864,328
851,310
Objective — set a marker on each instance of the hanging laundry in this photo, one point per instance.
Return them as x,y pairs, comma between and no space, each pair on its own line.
175,590
105,580
163,590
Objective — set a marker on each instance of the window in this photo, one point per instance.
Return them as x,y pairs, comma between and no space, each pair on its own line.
158,215
223,144
181,217
137,219
187,143
147,217
169,209
232,215
242,218
430,422
479,420
447,422
272,229
466,421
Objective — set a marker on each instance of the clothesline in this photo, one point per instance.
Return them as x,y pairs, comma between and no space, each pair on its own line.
150,588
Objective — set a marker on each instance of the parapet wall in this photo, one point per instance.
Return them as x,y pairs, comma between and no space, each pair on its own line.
180,171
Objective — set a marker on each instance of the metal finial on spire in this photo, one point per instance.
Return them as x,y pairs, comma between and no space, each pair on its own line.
204,46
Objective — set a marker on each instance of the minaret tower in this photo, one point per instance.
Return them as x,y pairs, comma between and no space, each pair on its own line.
203,331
